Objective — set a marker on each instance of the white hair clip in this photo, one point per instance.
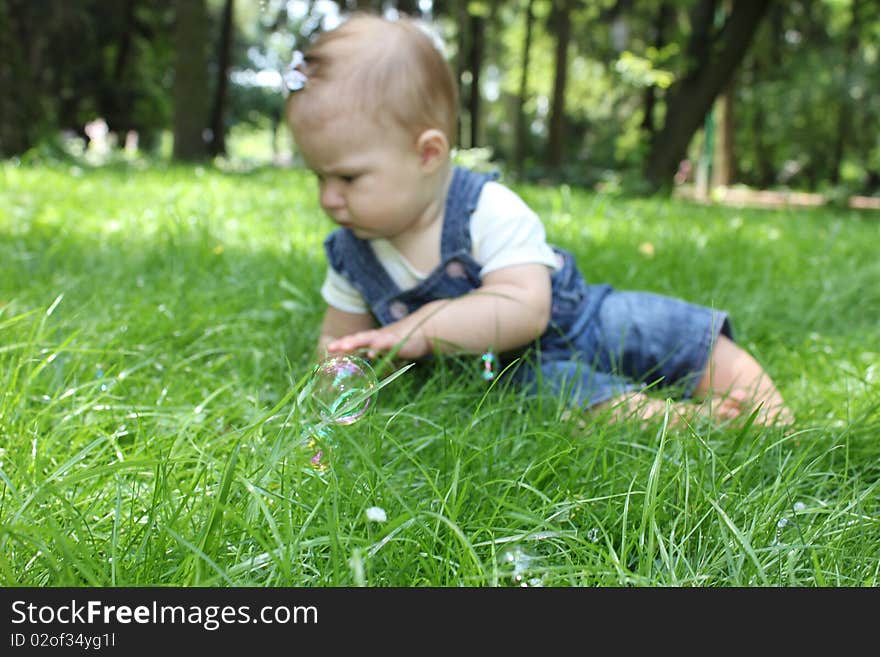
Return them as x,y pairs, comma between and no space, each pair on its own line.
294,79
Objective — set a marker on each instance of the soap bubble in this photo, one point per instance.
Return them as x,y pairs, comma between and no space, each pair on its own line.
339,389
317,458
517,565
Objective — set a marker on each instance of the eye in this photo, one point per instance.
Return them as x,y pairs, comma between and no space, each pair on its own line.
345,178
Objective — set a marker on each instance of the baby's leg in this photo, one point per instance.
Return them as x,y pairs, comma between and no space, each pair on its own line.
737,385
639,406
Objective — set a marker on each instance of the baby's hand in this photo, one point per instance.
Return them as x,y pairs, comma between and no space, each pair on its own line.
380,341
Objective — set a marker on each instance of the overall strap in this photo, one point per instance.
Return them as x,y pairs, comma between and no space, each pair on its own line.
356,260
461,201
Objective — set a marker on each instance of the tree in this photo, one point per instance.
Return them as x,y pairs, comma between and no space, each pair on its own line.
358,5
408,7
116,97
844,109
191,80
477,26
217,145
521,129
561,20
662,19
471,18
723,159
22,115
714,56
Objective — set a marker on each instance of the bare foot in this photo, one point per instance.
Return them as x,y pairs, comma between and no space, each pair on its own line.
738,403
635,406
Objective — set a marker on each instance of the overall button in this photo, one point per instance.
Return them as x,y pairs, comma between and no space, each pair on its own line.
398,310
455,269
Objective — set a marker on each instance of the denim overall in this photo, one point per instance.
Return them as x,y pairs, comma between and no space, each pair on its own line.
582,355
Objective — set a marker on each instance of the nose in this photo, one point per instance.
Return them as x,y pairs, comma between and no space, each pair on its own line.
331,196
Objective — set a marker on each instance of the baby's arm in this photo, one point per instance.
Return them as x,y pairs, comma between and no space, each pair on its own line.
509,310
338,323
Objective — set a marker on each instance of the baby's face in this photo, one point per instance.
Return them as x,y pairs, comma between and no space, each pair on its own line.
370,177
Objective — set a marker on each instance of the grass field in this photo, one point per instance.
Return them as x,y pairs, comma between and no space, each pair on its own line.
157,325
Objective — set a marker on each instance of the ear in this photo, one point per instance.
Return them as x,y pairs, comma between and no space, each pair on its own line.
433,149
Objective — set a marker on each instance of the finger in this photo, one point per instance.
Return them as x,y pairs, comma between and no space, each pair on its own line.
347,344
364,340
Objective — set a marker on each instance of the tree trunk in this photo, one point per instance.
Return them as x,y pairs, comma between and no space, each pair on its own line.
556,138
724,165
116,103
649,100
218,111
765,174
714,61
123,52
522,133
360,5
844,109
762,176
461,15
409,7
22,113
475,65
191,80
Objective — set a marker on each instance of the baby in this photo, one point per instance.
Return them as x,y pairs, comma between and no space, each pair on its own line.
430,258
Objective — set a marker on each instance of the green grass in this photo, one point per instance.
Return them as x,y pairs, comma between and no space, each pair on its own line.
156,326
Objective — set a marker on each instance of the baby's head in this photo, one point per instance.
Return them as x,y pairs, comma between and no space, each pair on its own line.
388,71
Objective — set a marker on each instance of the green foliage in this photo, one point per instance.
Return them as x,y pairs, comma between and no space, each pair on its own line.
641,72
157,324
802,92
86,60
806,109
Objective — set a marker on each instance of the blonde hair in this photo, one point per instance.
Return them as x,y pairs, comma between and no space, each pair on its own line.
389,69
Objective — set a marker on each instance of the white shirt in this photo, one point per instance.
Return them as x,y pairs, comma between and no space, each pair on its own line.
504,232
